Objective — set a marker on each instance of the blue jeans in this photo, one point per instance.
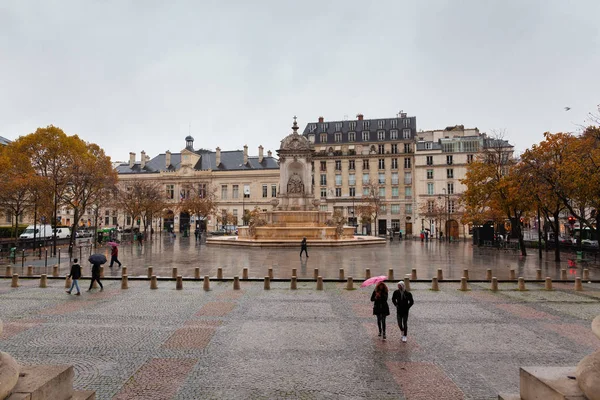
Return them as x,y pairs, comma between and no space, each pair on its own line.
74,284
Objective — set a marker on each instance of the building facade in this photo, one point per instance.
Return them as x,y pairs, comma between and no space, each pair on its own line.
355,156
441,160
240,182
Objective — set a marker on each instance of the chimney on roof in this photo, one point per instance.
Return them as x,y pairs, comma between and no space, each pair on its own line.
269,154
402,115
321,119
167,159
360,117
245,154
143,159
218,157
131,159
260,153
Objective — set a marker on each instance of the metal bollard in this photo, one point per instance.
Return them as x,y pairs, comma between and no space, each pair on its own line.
548,285
463,284
434,284
349,283
124,282
466,273
267,283
586,274
521,284
319,283
407,282
578,285
236,283
245,274
150,272
488,274
294,283
341,274
219,273
563,274
206,285
197,273
538,274
390,274
174,273
494,286
270,273
440,274
153,282
511,275
44,281
15,280
367,273
413,274
316,274
30,270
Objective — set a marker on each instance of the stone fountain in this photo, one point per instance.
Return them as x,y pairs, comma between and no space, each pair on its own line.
296,212
9,372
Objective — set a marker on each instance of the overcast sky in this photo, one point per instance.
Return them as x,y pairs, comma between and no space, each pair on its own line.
134,75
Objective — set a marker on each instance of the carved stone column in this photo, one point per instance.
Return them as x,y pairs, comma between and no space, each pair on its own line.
588,369
9,373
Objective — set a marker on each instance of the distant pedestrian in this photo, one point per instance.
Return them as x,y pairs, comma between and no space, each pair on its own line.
441,235
303,247
114,254
96,276
380,306
75,274
403,300
426,236
140,238
422,236
197,233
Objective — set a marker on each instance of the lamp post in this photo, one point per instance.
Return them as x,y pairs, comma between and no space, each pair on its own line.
446,214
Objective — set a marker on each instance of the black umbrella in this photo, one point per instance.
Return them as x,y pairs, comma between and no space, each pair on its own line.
97,259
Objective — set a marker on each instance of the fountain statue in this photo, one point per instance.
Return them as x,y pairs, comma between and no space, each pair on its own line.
588,369
9,373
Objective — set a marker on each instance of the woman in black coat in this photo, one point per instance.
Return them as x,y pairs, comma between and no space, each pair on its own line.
380,306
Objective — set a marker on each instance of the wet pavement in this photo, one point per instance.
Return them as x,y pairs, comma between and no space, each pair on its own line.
295,344
164,253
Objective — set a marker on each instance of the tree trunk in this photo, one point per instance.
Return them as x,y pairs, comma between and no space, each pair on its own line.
556,229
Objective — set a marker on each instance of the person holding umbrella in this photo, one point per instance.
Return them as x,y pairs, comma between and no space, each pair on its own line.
114,254
96,260
380,306
403,301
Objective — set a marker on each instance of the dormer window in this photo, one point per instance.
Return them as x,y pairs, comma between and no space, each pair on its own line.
323,138
352,125
311,138
338,126
394,123
312,128
381,124
366,124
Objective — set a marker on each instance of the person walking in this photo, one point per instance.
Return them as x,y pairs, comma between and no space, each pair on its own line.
75,274
303,247
96,276
114,254
403,300
197,233
380,306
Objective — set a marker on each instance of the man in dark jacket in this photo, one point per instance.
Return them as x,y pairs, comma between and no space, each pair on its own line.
75,274
303,247
403,301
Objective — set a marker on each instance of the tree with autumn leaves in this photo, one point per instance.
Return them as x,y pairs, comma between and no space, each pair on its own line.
48,169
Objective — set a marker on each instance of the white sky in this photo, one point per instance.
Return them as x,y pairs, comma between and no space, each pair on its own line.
133,75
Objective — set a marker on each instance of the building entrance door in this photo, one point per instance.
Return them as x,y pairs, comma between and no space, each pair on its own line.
409,229
382,227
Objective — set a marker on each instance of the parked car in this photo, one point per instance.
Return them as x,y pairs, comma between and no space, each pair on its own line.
589,243
83,234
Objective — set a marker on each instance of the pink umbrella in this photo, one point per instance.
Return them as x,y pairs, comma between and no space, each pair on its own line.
374,280
112,244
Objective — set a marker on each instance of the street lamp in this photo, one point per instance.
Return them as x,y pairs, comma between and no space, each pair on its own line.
446,213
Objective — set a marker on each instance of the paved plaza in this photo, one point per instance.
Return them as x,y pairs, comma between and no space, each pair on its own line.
186,254
298,344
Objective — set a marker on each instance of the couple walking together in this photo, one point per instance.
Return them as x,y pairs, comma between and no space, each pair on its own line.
403,301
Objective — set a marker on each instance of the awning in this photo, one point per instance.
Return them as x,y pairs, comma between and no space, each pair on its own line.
338,148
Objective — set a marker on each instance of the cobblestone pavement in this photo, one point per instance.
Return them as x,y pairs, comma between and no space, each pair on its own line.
303,344
164,253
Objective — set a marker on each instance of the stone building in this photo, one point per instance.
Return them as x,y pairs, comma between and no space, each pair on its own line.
441,160
350,154
240,182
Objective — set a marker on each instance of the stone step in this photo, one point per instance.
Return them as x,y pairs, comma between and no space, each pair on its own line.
84,395
44,382
549,383
505,396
